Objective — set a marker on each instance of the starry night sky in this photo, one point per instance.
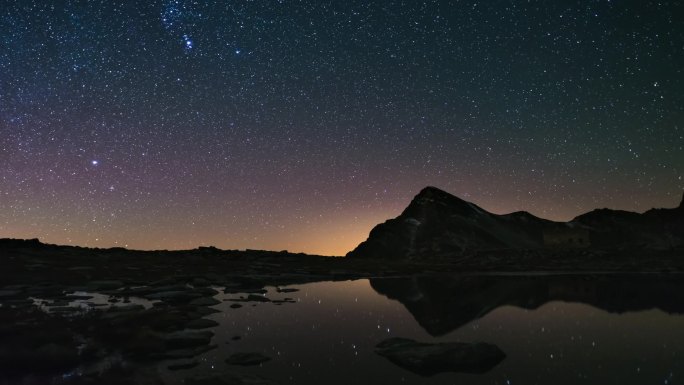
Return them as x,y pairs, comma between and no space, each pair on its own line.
301,124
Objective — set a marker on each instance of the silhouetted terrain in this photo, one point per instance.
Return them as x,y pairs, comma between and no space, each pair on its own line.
437,224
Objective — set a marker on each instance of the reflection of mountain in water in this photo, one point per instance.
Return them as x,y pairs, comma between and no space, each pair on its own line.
443,304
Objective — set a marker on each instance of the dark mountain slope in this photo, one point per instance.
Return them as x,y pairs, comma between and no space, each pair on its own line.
437,224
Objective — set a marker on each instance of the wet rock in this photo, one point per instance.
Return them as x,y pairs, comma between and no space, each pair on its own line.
200,282
282,301
182,365
174,296
206,291
10,293
187,353
125,308
429,359
228,379
64,309
188,339
286,290
77,297
201,323
235,306
247,359
205,301
204,310
104,285
251,298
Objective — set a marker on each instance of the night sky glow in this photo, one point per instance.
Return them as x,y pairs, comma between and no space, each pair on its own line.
301,124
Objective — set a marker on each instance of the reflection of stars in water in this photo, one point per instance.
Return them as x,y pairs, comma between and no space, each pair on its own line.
94,162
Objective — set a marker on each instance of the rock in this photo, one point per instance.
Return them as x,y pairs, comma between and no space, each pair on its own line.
204,310
126,308
104,285
282,301
429,359
205,301
187,353
200,282
235,306
252,298
186,339
247,359
173,296
10,293
228,379
181,365
286,290
206,291
77,297
201,323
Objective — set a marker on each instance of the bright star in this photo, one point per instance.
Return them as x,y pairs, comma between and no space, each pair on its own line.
94,162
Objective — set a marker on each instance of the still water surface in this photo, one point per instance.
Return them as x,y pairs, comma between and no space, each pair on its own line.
560,330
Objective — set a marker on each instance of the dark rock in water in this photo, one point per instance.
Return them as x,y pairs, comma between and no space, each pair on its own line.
286,290
104,285
201,323
173,296
430,359
247,359
235,306
188,339
76,297
10,293
252,298
186,353
204,310
228,379
205,301
181,365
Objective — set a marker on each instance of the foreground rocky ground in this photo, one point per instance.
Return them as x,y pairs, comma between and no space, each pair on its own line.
156,301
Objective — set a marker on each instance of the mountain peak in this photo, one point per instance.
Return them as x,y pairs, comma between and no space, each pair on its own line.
431,192
437,223
433,198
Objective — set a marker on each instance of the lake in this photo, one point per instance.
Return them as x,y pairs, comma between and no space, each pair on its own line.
566,329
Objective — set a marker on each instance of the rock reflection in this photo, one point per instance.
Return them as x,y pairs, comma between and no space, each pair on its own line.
445,303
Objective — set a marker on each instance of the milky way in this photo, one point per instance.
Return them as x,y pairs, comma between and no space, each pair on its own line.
300,124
